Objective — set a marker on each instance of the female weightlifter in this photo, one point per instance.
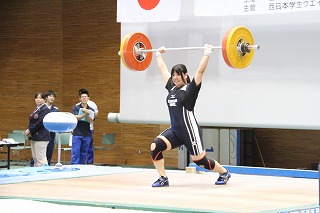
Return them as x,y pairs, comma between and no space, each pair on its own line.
184,129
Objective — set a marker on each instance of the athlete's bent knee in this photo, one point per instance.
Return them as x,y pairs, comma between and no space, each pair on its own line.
205,163
157,146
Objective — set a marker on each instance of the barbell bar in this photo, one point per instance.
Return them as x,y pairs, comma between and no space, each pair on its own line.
140,50
237,49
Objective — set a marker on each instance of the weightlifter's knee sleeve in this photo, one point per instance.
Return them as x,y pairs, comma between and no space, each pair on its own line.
205,163
157,146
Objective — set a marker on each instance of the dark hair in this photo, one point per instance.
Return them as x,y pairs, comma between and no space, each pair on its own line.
83,91
179,69
50,92
41,94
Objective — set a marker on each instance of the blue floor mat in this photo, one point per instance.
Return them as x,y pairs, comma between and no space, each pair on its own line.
27,174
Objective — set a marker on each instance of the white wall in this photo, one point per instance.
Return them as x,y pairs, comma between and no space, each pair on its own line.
279,89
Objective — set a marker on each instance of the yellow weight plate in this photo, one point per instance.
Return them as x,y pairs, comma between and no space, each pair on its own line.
124,42
232,56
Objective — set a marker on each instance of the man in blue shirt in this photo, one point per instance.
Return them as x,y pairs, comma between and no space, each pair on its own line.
82,134
90,154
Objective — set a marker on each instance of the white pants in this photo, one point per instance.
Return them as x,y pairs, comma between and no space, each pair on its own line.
39,152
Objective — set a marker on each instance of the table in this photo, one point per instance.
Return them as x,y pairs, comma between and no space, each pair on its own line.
9,145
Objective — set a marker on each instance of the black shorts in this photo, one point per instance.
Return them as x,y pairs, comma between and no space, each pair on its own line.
193,147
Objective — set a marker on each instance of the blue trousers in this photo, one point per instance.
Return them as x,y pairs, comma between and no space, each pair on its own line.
80,145
90,154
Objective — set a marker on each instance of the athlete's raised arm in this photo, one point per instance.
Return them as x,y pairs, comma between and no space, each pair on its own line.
203,63
162,65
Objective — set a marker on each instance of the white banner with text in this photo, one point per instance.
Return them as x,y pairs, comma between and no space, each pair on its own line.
252,7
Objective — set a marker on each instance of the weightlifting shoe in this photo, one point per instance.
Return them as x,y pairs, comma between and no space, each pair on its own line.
162,181
223,178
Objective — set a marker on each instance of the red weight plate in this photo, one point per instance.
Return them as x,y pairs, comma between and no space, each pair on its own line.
138,62
224,48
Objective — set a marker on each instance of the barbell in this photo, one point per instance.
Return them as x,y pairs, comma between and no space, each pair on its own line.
237,49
